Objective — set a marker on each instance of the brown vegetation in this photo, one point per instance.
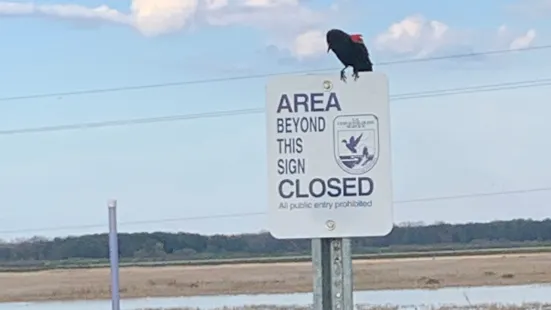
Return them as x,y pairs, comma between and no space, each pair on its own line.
275,278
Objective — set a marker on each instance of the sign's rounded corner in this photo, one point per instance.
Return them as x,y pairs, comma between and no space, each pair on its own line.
270,80
276,234
388,230
383,76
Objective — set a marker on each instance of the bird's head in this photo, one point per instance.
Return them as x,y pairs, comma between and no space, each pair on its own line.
329,39
333,36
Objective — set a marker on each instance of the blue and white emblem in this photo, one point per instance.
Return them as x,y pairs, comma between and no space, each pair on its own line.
356,142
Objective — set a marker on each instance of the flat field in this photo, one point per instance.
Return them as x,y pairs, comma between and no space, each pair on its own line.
78,284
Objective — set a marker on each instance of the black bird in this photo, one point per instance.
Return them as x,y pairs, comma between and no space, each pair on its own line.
350,50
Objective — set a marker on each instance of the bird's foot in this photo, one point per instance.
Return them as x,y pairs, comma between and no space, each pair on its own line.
343,76
355,75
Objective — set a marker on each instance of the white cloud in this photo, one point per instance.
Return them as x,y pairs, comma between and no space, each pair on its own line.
216,4
162,16
101,12
290,25
13,8
418,36
281,15
149,17
514,40
269,3
76,11
415,35
309,43
523,41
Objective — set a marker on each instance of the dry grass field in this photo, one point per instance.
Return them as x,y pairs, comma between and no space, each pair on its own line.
275,278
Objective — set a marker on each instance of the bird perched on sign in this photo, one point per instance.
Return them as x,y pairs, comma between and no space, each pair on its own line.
350,50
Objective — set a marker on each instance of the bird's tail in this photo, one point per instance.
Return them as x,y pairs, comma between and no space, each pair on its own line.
367,67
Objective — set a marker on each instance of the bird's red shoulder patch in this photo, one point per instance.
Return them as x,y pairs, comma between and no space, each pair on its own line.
357,38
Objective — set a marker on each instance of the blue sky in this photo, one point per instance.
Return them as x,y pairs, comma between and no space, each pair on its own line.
453,145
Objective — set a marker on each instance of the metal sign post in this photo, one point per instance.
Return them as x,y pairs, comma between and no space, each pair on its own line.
329,171
333,283
114,255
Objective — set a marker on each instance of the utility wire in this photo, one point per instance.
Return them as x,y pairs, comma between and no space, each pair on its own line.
476,195
264,75
183,117
475,89
250,214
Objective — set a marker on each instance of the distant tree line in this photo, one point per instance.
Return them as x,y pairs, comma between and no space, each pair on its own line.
169,246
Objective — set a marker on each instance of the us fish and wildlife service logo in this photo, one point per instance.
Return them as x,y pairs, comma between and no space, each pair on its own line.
356,142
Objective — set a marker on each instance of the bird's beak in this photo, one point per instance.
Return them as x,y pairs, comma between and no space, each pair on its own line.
328,48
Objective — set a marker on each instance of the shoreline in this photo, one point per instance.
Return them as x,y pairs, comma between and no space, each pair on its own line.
94,264
275,278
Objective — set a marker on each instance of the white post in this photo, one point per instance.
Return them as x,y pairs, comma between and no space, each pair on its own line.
114,255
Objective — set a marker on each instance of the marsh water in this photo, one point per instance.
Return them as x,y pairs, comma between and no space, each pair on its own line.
407,298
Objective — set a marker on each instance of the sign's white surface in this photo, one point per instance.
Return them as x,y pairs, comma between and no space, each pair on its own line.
329,165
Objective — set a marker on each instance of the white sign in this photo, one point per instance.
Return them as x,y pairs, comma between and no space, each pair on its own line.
329,165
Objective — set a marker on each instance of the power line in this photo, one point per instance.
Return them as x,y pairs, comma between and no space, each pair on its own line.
129,122
263,75
250,214
172,118
477,195
473,89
